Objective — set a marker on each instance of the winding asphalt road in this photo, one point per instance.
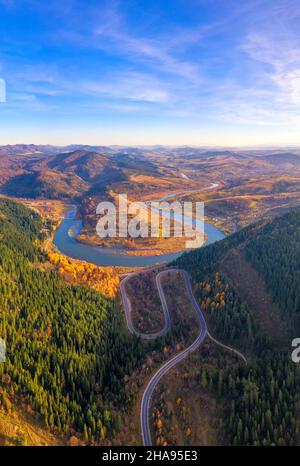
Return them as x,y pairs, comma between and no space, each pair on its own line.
147,395
128,308
146,399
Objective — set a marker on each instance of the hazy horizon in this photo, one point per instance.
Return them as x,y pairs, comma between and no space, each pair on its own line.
192,146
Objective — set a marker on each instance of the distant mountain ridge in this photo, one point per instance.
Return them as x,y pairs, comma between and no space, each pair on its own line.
44,172
74,171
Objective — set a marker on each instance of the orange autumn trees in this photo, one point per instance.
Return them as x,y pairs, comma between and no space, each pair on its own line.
103,279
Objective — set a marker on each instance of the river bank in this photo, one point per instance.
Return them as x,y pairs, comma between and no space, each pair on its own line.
70,227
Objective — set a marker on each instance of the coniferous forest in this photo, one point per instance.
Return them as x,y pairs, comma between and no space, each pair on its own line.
66,352
68,355
260,400
275,253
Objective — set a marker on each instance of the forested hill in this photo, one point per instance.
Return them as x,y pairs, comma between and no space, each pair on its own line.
272,247
275,253
66,352
260,401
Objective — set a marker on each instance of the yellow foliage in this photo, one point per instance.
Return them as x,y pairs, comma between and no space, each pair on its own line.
188,431
74,441
159,424
103,279
207,288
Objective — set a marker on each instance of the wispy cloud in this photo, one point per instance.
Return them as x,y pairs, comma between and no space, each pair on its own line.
114,35
275,53
239,66
128,86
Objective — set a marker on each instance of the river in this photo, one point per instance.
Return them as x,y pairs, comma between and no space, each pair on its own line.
65,241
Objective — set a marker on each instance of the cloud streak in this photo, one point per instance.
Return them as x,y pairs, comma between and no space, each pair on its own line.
239,66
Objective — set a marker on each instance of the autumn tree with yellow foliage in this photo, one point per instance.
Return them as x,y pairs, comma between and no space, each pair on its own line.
103,279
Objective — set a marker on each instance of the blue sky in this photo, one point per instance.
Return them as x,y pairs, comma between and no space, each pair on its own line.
197,72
